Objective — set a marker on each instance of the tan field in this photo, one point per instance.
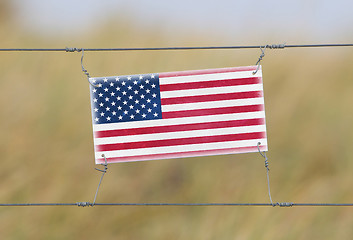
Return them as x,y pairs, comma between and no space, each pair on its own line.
47,149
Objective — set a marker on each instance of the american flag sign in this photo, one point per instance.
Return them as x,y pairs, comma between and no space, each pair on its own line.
178,114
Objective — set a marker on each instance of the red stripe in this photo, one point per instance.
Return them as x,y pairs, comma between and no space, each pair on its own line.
181,127
211,97
180,141
213,111
208,71
210,84
182,154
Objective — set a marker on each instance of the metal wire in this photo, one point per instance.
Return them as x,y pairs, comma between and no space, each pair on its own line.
270,46
263,154
105,164
88,204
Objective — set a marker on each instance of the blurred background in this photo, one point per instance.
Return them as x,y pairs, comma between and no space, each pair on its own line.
46,141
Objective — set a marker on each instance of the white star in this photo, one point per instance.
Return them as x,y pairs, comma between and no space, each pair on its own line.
100,95
95,100
144,115
124,83
130,97
155,104
126,112
153,86
132,116
118,98
113,103
131,107
125,102
128,78
143,105
96,109
93,80
148,91
94,90
101,104
119,108
152,76
111,84
136,92
108,118
149,110
112,94
155,114
118,88
147,81
141,77
154,95
107,109
107,99
135,82
100,85
120,117
137,101
129,87
102,114
141,86
114,113
106,89
137,111
148,100
117,79
142,96
105,79
124,93
96,119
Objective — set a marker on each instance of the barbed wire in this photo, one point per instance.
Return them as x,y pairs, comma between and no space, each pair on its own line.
269,46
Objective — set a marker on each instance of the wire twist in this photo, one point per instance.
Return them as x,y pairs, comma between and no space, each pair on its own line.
68,49
82,67
263,154
84,204
105,164
260,59
276,46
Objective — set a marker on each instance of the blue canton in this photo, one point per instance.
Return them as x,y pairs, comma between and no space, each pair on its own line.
125,98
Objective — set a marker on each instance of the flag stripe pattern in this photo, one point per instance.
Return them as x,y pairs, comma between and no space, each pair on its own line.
178,114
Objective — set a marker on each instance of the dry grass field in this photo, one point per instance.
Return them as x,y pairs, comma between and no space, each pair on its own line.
47,149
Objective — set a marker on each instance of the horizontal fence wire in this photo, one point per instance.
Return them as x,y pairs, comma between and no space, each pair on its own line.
271,46
88,204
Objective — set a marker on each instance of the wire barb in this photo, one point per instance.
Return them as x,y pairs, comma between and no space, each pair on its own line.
84,204
68,49
284,204
105,164
276,46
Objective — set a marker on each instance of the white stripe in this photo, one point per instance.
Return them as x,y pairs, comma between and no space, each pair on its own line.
182,148
178,121
207,105
211,91
180,134
208,77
